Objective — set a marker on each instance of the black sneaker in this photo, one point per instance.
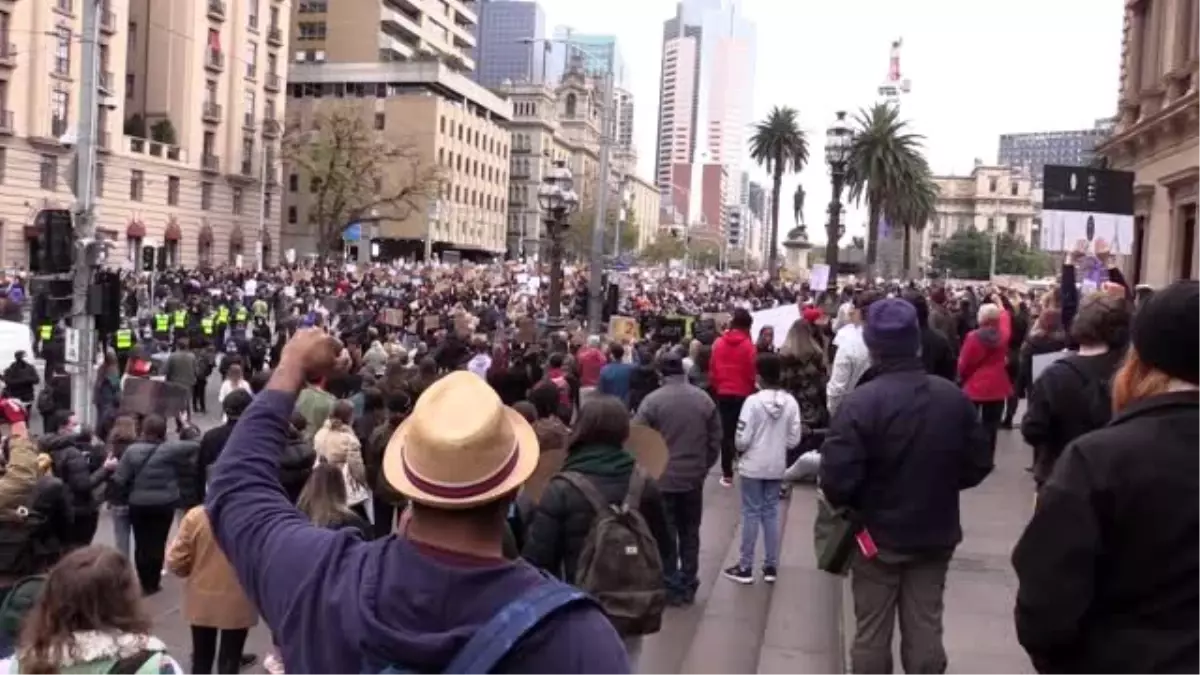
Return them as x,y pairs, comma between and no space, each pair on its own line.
769,574
741,575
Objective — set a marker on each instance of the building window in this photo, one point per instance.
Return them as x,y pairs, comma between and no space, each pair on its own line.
60,106
310,30
314,185
1012,226
172,190
237,201
137,184
206,196
98,179
204,251
62,51
442,124
293,182
991,224
251,60
313,7
1014,188
992,184
266,206
291,215
252,14
48,171
380,121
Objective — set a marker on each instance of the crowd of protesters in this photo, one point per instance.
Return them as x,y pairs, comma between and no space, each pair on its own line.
428,468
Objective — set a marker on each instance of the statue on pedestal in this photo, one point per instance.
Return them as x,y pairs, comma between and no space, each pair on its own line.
798,205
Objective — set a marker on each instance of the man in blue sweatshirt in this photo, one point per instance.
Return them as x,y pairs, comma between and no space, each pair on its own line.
410,602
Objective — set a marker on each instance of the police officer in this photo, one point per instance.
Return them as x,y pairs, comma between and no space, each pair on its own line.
45,333
123,342
162,325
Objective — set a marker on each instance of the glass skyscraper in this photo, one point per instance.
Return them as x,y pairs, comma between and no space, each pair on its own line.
510,42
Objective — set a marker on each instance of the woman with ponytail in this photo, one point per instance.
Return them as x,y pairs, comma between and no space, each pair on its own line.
1109,566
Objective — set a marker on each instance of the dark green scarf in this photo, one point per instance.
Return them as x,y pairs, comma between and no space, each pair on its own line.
599,460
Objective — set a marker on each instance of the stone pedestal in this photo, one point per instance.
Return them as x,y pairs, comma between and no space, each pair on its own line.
796,248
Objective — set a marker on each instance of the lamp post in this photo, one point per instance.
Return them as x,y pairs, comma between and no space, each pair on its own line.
558,200
838,139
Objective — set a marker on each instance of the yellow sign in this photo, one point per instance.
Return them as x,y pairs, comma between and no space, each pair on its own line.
624,329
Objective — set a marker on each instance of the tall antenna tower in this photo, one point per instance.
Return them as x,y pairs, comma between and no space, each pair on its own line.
894,86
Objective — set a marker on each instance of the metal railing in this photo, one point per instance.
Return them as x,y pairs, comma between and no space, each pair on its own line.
210,162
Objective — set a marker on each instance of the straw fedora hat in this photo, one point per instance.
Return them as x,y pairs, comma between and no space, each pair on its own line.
460,447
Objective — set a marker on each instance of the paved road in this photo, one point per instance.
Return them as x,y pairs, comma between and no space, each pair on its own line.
798,624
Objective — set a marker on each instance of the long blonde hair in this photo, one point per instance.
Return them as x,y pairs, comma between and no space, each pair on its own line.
1136,380
800,341
323,498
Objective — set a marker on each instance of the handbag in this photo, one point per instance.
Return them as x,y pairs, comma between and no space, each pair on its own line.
833,537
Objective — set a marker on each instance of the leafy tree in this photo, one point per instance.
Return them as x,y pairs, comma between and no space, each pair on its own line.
967,254
705,254
780,146
887,168
577,241
163,132
357,173
663,249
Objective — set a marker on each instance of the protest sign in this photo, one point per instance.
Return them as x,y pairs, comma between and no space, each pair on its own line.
392,317
624,328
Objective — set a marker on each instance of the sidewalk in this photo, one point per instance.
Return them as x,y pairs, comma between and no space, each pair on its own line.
981,589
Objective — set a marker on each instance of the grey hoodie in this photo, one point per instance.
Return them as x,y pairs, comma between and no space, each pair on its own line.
768,426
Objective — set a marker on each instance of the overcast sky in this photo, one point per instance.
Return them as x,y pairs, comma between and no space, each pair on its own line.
978,69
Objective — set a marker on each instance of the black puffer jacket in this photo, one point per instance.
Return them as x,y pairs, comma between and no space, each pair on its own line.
563,517
71,466
296,464
149,473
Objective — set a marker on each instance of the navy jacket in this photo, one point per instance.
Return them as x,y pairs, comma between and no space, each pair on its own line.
900,447
338,604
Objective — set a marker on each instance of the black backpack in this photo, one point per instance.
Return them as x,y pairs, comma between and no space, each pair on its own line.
1097,394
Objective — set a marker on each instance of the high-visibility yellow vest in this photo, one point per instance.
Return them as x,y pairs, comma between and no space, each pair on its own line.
124,339
223,314
206,324
181,318
46,331
162,323
242,314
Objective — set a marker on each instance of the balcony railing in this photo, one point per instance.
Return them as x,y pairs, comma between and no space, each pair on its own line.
8,55
216,9
275,36
248,121
214,60
107,82
145,146
6,121
272,83
271,126
210,162
247,168
212,112
58,126
108,21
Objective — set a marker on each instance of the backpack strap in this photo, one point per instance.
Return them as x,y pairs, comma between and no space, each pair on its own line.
637,484
496,638
599,503
132,663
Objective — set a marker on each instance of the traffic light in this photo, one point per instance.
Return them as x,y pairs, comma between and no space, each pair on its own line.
56,241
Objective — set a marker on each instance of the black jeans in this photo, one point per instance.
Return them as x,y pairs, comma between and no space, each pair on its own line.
204,649
990,413
730,408
683,517
83,529
151,527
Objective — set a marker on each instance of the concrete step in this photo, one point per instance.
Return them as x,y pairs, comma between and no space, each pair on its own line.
730,632
803,627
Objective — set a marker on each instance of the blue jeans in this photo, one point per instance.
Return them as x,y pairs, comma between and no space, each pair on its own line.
760,507
121,528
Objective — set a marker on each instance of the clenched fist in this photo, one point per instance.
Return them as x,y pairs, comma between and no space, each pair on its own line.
311,352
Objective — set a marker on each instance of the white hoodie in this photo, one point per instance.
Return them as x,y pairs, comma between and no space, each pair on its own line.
768,426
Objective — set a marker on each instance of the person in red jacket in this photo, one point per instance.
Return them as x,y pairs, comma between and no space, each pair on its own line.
981,367
731,376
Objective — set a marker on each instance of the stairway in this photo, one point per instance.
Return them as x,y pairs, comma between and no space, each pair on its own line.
791,626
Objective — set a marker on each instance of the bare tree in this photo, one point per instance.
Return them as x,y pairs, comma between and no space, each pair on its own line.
356,173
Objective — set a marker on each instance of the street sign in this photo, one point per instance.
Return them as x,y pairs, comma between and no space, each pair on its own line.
72,346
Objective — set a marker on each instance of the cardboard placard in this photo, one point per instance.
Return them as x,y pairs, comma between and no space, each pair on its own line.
720,319
671,329
462,325
153,397
392,317
431,322
624,328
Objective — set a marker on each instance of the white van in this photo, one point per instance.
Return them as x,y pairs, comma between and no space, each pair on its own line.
15,337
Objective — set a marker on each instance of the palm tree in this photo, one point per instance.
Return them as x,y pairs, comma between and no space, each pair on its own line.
916,206
779,145
885,167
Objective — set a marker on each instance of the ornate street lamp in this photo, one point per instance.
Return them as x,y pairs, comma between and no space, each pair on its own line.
838,139
558,200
